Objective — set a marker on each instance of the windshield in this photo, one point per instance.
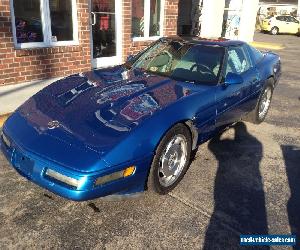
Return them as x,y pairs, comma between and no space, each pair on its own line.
187,62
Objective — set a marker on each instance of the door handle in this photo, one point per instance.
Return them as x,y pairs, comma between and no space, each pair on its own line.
93,17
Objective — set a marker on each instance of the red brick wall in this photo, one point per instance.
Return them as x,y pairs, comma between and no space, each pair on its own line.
171,14
23,65
170,26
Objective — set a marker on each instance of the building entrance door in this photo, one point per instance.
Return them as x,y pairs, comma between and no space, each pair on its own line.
106,29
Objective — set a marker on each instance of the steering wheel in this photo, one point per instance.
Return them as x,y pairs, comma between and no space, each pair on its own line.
202,68
161,60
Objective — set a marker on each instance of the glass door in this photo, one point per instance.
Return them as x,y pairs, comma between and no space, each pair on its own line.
106,20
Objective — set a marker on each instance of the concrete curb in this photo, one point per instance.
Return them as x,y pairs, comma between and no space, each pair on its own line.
268,46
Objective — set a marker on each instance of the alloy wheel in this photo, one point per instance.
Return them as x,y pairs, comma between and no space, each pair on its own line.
173,160
265,103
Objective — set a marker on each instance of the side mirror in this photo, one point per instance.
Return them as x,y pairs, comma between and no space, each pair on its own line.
129,58
232,79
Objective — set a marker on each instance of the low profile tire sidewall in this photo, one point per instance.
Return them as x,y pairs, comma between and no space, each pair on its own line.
258,118
153,183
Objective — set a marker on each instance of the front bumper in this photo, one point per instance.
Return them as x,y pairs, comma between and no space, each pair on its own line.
34,168
265,27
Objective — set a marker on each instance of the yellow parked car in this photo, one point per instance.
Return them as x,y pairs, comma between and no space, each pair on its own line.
280,24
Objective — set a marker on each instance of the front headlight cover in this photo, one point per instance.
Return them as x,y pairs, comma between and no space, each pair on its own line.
62,178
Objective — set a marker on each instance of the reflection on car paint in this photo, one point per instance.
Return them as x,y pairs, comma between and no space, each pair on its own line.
73,93
169,93
89,80
39,120
111,124
106,76
118,92
140,106
127,114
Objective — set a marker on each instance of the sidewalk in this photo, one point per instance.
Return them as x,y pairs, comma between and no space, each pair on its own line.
12,96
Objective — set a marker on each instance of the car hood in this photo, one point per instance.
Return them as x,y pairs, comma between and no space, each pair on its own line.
97,109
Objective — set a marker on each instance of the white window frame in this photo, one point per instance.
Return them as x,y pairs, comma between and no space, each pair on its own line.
46,26
146,36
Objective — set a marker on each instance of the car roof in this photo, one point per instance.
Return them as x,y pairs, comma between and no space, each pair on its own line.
223,42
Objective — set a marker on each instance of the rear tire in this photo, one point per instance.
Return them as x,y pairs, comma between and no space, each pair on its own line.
274,31
171,160
258,115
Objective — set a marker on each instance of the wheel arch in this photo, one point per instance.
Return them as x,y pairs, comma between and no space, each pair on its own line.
188,123
272,78
190,126
194,132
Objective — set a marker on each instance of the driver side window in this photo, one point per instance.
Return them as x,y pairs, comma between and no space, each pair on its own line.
291,19
237,61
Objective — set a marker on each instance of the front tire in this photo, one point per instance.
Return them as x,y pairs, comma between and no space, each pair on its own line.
171,160
274,31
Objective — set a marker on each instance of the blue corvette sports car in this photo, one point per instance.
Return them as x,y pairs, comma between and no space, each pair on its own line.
132,127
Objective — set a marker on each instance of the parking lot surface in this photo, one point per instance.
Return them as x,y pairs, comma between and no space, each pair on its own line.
245,182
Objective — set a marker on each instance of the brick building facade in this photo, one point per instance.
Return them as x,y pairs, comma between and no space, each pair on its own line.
20,62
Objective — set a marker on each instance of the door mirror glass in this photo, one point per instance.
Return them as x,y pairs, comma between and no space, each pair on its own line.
232,79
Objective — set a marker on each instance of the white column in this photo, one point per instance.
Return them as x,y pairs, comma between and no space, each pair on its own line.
212,18
248,20
298,12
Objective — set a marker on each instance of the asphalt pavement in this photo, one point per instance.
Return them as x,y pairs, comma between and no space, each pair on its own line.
244,182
